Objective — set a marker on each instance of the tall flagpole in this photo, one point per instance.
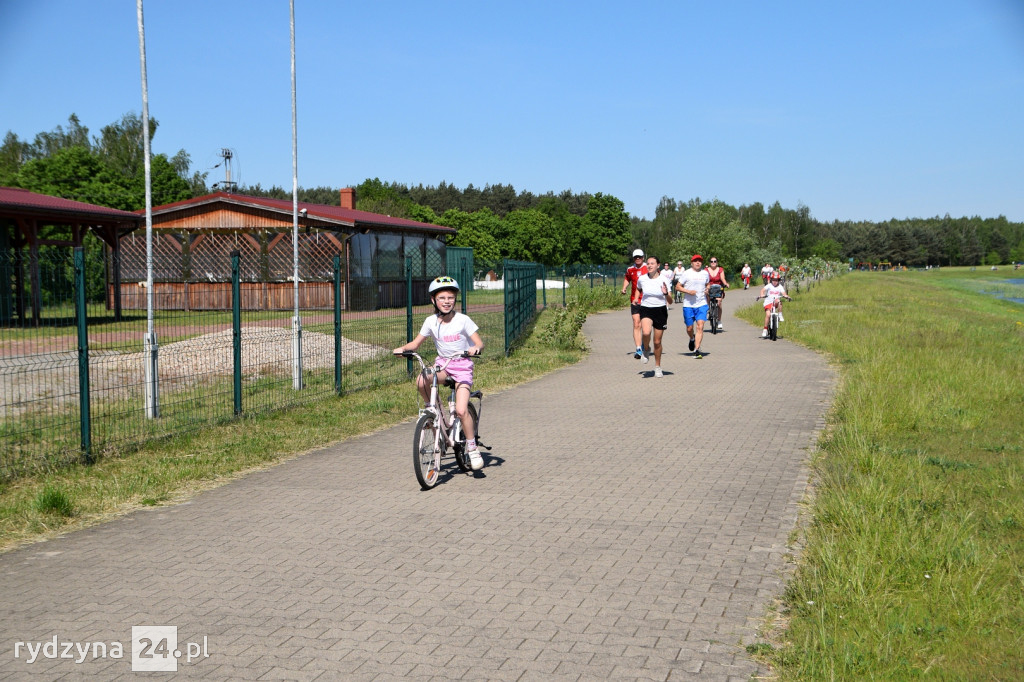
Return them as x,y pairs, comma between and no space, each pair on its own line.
296,320
151,374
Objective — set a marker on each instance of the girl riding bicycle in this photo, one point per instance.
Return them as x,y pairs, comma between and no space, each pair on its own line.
453,333
772,293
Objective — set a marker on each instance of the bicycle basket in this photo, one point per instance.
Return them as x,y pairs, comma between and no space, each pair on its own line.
715,291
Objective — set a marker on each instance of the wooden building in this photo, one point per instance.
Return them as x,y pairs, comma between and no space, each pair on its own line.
193,240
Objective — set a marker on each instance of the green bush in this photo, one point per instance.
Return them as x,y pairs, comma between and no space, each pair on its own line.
564,326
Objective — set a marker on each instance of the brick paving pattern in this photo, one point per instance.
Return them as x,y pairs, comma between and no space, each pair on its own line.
624,527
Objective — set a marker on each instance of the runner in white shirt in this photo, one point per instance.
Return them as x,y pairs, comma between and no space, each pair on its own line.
669,277
694,286
652,296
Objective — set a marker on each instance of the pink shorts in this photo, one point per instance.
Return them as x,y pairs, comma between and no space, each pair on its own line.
460,369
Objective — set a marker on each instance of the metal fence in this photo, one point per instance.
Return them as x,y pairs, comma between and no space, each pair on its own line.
73,383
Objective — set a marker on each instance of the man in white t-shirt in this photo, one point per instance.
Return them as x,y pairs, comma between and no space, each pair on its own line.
694,286
669,276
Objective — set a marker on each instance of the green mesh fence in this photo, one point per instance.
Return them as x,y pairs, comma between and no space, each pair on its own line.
214,362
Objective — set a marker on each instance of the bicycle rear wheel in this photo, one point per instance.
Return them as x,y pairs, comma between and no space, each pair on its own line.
460,439
424,452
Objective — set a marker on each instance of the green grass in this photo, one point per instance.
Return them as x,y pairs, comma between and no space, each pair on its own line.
912,563
203,456
51,500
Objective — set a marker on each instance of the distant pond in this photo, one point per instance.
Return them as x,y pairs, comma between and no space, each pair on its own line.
1011,290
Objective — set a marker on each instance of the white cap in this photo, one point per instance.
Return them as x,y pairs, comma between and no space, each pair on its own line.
638,252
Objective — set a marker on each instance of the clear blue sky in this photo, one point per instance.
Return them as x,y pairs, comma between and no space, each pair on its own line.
859,110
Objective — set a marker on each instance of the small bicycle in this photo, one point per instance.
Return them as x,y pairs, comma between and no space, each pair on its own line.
773,318
439,428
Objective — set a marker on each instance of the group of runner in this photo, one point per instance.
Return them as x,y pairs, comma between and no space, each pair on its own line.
652,288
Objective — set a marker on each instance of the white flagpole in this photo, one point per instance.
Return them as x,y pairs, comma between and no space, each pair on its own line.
151,374
296,320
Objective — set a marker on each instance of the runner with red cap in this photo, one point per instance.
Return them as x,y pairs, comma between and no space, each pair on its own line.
694,287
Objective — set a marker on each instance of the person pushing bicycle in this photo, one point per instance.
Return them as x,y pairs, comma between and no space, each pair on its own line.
772,292
453,334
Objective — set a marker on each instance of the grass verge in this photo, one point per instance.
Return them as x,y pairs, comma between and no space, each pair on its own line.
172,469
913,547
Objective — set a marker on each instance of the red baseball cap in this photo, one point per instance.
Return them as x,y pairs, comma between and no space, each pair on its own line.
697,256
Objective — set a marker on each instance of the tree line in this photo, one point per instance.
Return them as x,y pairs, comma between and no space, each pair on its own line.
499,222
106,170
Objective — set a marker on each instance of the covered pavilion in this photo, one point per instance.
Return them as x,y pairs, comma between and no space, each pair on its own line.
28,221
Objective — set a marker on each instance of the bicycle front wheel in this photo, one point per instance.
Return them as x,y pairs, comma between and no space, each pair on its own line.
425,457
716,315
773,327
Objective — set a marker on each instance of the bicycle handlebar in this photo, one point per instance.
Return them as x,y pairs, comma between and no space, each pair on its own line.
414,354
449,358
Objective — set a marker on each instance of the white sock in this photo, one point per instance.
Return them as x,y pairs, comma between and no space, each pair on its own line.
471,444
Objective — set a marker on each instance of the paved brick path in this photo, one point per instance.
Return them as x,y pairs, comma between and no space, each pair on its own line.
624,527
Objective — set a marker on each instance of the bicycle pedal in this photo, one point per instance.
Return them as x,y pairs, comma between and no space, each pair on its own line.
480,444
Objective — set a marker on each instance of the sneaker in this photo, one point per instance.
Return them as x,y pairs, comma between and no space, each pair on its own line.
698,354
644,358
692,344
719,327
781,318
658,373
476,462
639,353
764,333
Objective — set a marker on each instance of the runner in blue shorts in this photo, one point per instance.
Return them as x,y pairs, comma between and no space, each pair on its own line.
694,285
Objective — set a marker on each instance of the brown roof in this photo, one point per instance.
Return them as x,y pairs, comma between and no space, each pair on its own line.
21,202
345,217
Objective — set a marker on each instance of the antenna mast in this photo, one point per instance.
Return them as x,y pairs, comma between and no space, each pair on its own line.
227,185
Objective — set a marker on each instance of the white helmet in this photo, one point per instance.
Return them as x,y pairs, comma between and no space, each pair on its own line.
443,282
638,252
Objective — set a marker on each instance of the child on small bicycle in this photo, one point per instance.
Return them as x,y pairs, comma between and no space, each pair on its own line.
772,293
453,333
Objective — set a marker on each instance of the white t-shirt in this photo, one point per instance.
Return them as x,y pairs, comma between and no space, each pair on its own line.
767,270
745,272
679,272
450,338
669,277
698,280
772,293
653,291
